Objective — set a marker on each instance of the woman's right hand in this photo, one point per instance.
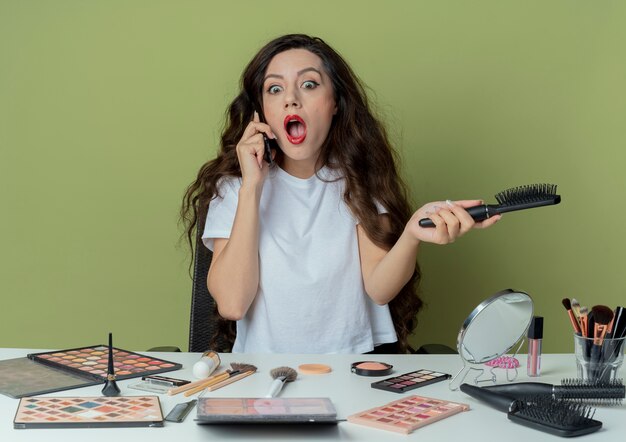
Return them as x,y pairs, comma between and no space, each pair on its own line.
250,151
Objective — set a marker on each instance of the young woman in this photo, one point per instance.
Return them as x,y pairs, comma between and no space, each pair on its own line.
317,252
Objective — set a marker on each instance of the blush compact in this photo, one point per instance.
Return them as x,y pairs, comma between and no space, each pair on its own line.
371,368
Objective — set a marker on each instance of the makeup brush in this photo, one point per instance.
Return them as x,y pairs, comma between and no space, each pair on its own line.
602,316
583,321
237,367
110,386
561,418
568,306
618,317
576,309
281,375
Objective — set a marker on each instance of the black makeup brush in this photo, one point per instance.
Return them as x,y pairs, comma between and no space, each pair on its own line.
561,418
618,325
510,200
281,375
577,390
110,386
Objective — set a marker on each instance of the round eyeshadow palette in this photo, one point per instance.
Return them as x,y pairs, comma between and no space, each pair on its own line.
93,362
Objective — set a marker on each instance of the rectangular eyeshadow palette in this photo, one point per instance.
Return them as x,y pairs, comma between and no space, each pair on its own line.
91,362
266,411
88,412
22,377
410,381
407,414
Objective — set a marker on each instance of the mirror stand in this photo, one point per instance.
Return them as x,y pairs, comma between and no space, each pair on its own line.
480,369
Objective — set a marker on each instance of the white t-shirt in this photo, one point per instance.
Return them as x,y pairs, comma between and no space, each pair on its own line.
311,297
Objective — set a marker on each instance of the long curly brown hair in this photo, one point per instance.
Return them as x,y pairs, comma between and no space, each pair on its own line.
357,146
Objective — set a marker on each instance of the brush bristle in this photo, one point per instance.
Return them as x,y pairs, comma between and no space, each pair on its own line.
526,194
575,307
602,314
243,367
562,416
607,393
287,372
567,303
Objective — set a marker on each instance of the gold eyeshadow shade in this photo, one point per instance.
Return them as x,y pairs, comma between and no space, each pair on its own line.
110,388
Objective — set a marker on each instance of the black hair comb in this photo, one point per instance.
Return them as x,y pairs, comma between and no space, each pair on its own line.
510,200
558,417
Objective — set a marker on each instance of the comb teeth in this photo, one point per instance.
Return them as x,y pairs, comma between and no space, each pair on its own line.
526,194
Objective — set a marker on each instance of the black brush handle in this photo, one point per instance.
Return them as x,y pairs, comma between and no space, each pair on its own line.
484,211
479,213
520,389
499,401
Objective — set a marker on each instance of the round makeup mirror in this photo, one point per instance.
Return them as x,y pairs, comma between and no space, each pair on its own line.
491,330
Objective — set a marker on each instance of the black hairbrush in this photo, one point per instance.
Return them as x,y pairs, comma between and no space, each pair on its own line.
576,390
561,418
510,200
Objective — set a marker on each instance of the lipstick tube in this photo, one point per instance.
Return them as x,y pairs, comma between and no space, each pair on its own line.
535,337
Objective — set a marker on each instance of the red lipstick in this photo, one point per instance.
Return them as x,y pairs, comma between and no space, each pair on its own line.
295,128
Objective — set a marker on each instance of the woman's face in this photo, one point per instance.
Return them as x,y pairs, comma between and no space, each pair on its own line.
299,104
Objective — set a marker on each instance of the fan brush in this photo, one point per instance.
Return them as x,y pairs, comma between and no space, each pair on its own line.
280,376
558,417
510,200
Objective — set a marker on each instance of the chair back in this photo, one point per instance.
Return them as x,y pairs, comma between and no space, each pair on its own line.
205,324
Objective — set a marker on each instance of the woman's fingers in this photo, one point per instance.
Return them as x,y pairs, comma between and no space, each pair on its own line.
256,126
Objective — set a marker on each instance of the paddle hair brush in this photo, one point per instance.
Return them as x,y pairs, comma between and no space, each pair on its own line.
510,200
561,418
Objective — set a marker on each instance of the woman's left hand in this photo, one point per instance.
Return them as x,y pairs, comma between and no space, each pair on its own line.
451,221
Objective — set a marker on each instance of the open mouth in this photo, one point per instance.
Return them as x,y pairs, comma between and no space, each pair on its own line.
295,128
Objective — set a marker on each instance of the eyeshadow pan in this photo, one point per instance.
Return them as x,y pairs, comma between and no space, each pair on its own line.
409,381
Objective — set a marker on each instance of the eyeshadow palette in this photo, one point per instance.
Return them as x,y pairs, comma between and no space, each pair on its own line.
408,414
88,412
266,411
91,362
409,381
22,377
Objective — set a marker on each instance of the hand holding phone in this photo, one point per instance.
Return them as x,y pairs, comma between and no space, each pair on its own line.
269,145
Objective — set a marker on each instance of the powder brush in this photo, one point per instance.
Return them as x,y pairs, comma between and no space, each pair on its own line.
281,375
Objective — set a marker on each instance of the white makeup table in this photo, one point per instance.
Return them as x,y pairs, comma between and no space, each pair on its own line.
349,393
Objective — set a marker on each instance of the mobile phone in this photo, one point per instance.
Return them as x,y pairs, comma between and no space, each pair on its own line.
269,145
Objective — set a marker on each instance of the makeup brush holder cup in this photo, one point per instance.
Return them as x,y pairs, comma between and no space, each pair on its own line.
598,362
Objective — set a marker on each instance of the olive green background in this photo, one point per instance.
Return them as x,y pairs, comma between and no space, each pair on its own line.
108,108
